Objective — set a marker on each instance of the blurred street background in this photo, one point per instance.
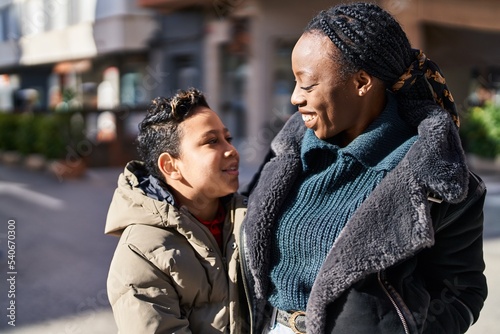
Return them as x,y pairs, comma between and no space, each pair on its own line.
76,77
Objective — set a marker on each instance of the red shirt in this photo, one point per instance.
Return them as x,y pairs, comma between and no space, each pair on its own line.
216,225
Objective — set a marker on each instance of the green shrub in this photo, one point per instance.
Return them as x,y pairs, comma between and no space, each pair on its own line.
8,129
58,133
27,133
49,134
480,131
50,141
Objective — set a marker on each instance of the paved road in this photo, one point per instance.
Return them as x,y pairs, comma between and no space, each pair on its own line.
62,256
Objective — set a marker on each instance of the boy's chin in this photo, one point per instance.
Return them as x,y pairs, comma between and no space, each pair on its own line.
230,191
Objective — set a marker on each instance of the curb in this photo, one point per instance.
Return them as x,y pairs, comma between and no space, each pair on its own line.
62,168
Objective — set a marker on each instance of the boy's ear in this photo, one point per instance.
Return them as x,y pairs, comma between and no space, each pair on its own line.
168,166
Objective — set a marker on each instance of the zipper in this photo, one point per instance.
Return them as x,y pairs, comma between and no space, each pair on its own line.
471,316
228,233
213,247
385,287
244,271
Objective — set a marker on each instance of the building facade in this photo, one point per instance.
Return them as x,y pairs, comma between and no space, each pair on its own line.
85,55
60,53
246,45
114,55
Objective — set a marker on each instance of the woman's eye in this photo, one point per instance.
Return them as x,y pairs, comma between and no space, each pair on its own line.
229,139
307,87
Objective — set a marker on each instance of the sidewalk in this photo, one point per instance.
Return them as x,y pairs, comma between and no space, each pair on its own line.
93,322
489,320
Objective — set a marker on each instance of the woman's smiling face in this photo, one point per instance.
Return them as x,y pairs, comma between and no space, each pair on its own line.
326,100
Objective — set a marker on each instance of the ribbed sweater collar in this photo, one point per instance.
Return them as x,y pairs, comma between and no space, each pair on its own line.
377,147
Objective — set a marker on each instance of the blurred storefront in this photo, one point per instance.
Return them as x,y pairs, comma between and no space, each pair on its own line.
114,56
246,44
90,56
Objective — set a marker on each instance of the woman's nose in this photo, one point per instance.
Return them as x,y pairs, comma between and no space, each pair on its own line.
297,98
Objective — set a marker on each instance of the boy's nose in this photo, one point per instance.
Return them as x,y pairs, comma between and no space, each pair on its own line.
230,152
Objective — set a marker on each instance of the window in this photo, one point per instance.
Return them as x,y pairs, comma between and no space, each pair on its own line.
185,74
56,13
81,11
3,23
33,17
12,29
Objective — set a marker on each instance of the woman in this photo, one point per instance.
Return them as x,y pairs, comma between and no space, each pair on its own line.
175,267
365,219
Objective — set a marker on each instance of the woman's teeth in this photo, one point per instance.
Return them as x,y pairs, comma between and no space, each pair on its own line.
308,117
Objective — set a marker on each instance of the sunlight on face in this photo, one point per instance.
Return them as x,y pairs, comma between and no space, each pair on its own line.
208,161
324,98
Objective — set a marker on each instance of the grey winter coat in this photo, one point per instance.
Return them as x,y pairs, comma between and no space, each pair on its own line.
403,263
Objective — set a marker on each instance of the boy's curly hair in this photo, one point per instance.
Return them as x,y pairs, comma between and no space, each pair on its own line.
159,131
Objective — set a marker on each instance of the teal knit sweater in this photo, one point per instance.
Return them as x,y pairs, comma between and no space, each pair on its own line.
333,183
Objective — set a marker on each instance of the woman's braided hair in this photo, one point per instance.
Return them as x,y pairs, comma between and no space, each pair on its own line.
159,131
370,39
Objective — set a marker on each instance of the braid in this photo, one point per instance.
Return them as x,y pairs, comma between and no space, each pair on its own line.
422,82
159,131
368,37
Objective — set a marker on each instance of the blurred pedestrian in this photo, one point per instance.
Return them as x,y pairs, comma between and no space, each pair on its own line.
176,264
365,218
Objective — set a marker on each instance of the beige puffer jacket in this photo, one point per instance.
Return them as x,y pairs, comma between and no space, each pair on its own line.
168,274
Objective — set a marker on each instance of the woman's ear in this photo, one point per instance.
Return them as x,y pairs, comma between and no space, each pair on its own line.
363,82
168,167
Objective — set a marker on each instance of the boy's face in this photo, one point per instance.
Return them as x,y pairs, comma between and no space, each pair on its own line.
208,161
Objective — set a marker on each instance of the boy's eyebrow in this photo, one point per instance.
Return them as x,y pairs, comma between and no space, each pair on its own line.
214,131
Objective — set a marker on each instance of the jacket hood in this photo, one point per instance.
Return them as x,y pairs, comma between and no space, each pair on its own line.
139,199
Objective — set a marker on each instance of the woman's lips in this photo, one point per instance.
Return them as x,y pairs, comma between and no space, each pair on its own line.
309,119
